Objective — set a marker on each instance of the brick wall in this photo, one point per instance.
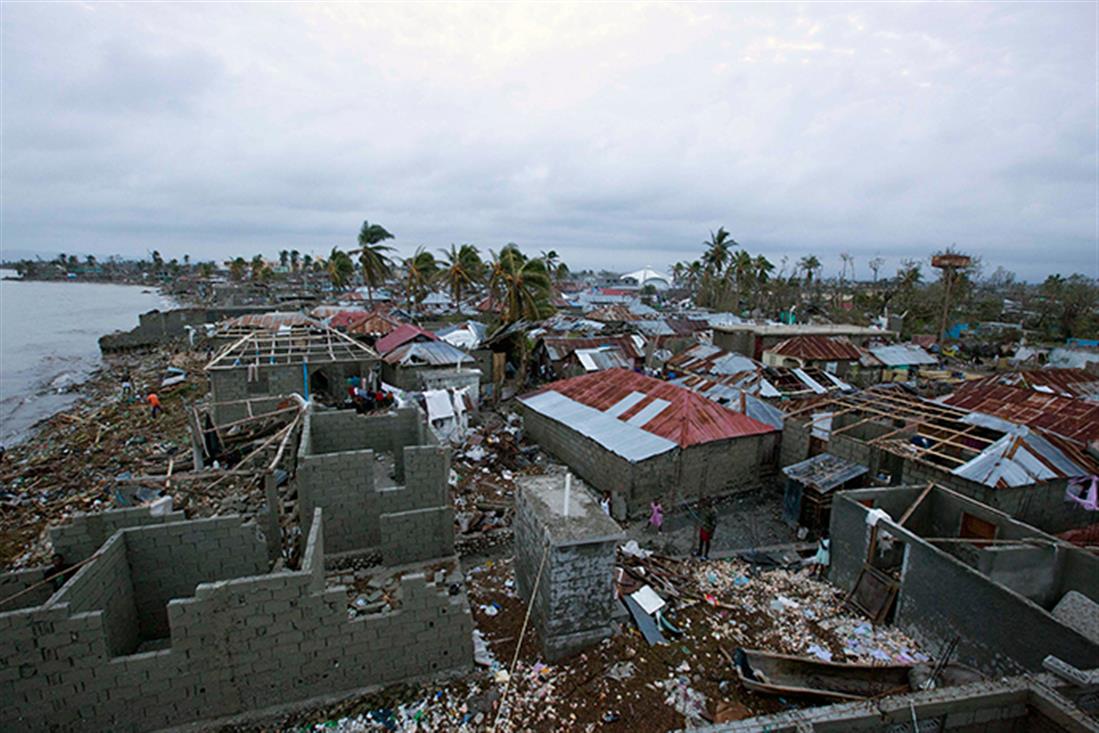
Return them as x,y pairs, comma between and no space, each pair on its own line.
795,442
232,384
242,644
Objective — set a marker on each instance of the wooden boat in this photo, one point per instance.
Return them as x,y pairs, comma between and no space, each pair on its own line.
783,674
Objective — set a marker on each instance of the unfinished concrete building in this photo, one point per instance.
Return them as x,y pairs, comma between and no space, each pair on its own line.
314,363
165,621
1041,704
942,566
752,339
382,482
640,438
1035,475
564,558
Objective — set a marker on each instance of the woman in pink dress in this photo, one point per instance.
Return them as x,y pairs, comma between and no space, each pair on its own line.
656,518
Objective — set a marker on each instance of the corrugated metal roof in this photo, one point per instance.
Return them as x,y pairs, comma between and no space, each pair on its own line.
1071,418
557,348
734,398
896,355
1019,458
604,357
687,418
709,359
402,335
817,348
269,321
375,324
628,441
1074,383
433,353
824,472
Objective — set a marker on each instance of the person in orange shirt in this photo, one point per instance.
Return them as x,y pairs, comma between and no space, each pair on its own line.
154,402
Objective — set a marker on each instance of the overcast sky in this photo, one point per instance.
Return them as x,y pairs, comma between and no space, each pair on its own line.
618,135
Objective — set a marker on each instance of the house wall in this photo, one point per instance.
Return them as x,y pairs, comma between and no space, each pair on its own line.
795,442
409,522
231,384
237,645
941,597
85,533
680,474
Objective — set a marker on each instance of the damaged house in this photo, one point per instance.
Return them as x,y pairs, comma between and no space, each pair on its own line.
1028,471
313,362
640,438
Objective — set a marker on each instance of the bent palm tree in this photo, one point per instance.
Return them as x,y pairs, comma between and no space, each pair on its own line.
521,285
340,268
373,257
420,270
462,268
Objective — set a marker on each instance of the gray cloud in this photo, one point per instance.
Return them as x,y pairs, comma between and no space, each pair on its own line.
618,135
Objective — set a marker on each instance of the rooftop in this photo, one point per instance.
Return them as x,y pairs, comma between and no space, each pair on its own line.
804,329
1070,418
316,345
402,335
675,414
817,348
426,353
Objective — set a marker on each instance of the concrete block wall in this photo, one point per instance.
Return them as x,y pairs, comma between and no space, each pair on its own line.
232,384
104,588
408,522
1040,505
574,597
85,533
1001,631
795,442
239,644
343,485
1012,705
173,560
27,582
680,474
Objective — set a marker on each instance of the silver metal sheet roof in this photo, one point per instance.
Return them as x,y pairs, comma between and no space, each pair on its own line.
902,355
628,441
434,353
824,472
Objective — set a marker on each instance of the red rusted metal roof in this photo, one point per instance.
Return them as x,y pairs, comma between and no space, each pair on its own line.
612,314
402,335
1074,419
686,419
375,323
1077,383
818,348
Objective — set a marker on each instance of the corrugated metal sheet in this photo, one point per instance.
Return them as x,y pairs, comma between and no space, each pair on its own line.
432,353
687,419
810,382
605,357
557,348
734,398
818,348
270,321
898,355
1071,418
1074,383
628,441
402,335
824,472
708,359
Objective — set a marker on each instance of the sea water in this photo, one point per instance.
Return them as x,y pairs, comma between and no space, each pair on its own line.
49,335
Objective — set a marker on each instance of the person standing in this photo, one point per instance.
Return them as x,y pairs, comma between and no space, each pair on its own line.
823,557
154,404
656,515
706,531
605,503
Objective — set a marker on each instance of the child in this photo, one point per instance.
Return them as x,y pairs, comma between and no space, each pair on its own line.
656,516
706,531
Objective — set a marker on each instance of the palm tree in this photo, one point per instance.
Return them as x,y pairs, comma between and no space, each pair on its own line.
373,257
340,268
420,269
206,269
809,265
522,285
158,261
463,267
187,261
284,258
236,267
258,265
742,267
307,263
295,257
